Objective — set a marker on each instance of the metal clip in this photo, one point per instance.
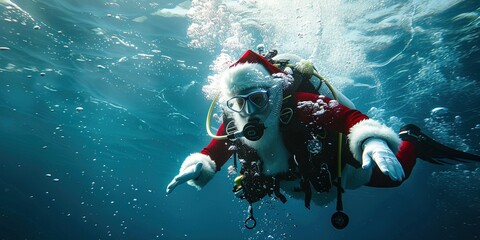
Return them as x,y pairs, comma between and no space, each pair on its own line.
250,219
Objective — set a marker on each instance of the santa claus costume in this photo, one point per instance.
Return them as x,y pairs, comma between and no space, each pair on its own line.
287,141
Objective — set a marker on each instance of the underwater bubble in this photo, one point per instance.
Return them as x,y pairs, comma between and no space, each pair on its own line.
460,166
36,27
79,109
458,119
376,113
333,103
232,170
42,74
4,48
56,179
439,112
288,70
48,175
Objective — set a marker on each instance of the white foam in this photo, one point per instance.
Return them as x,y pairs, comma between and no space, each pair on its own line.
12,4
177,11
140,19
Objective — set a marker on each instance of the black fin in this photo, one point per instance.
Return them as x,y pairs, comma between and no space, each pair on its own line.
433,151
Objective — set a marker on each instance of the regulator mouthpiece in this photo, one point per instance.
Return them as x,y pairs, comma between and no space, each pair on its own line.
252,131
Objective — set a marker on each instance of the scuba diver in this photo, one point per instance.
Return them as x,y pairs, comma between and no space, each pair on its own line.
291,140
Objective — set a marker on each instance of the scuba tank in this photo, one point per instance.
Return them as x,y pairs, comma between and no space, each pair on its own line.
290,60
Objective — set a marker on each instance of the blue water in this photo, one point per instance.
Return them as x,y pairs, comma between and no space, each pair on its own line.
100,102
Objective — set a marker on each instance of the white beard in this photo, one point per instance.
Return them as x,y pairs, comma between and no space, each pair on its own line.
270,147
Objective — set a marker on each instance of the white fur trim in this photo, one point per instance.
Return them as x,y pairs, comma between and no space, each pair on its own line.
208,169
245,76
367,129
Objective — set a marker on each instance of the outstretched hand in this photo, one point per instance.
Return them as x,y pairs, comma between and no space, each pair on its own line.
187,174
376,150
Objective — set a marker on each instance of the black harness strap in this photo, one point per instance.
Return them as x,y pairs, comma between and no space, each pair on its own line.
305,186
276,190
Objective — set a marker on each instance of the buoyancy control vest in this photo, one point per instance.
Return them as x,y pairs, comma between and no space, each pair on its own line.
312,161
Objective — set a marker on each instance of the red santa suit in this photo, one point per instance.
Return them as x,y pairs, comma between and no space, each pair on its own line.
311,110
329,114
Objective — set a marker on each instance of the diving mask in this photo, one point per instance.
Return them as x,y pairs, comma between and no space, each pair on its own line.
252,102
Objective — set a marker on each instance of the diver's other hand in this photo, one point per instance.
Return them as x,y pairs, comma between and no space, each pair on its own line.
377,150
187,174
197,170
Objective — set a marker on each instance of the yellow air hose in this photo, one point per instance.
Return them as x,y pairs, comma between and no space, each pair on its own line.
340,136
209,118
